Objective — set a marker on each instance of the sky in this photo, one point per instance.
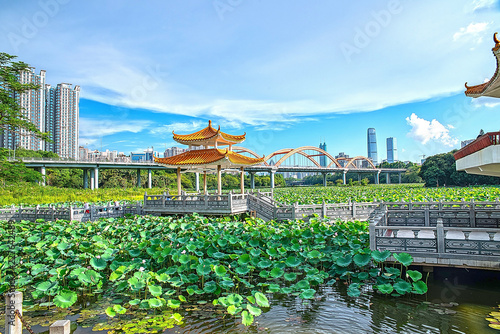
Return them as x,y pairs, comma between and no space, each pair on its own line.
288,73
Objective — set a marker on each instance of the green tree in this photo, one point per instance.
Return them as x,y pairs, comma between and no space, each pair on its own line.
12,117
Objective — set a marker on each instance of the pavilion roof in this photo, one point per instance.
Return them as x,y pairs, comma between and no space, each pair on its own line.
208,134
212,156
492,87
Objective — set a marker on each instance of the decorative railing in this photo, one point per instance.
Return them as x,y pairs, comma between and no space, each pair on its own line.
461,233
488,139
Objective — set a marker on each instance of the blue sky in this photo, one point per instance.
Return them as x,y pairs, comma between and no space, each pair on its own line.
288,73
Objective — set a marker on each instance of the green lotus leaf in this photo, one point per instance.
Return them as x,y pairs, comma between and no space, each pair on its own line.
391,271
363,275
155,303
292,261
419,288
255,252
243,270
286,290
264,263
379,256
246,318
414,275
307,294
404,258
244,259
385,288
314,254
402,287
353,290
264,274
290,276
254,310
119,309
210,287
272,252
302,285
98,264
362,260
184,258
110,312
261,299
226,284
172,303
254,243
276,272
162,278
273,288
134,302
203,268
234,299
155,290
233,310
344,261
219,255
220,270
134,252
62,246
65,299
34,239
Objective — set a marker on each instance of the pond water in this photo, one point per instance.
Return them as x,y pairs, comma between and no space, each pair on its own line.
458,301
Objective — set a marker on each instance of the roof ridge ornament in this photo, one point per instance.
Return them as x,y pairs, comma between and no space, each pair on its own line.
466,87
495,38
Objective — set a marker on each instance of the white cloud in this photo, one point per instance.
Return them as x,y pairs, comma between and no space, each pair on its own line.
482,4
471,30
179,127
105,127
423,131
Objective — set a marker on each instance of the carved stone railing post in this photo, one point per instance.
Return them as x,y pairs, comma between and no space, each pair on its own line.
71,213
427,220
323,209
472,213
60,327
353,210
440,236
373,237
163,199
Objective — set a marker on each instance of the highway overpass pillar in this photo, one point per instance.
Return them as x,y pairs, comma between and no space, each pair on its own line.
343,176
324,179
399,177
150,179
92,178
85,178
197,178
377,177
271,174
96,175
387,178
44,178
252,180
359,177
138,178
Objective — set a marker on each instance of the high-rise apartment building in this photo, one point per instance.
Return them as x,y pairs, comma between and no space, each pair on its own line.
50,109
62,114
322,158
392,150
372,145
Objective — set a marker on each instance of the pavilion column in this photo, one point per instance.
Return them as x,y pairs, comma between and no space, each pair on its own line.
150,179
197,179
271,174
343,177
178,181
138,178
96,178
252,180
205,182
242,181
388,178
85,178
324,179
219,179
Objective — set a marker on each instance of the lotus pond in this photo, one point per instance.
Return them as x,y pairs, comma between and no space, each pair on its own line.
385,193
148,274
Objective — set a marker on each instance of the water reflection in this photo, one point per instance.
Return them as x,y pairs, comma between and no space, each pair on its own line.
457,302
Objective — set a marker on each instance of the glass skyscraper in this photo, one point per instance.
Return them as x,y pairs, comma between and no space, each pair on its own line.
322,158
392,150
372,145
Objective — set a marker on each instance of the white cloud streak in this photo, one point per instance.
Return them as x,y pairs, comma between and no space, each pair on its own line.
105,127
472,29
424,131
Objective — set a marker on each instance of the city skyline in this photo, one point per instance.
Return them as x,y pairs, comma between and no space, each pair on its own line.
288,78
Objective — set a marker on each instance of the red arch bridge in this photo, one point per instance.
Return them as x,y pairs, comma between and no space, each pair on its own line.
306,159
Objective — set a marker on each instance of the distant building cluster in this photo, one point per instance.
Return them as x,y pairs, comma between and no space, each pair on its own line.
85,154
50,109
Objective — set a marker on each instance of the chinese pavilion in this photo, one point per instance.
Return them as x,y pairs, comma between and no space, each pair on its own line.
206,154
492,87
